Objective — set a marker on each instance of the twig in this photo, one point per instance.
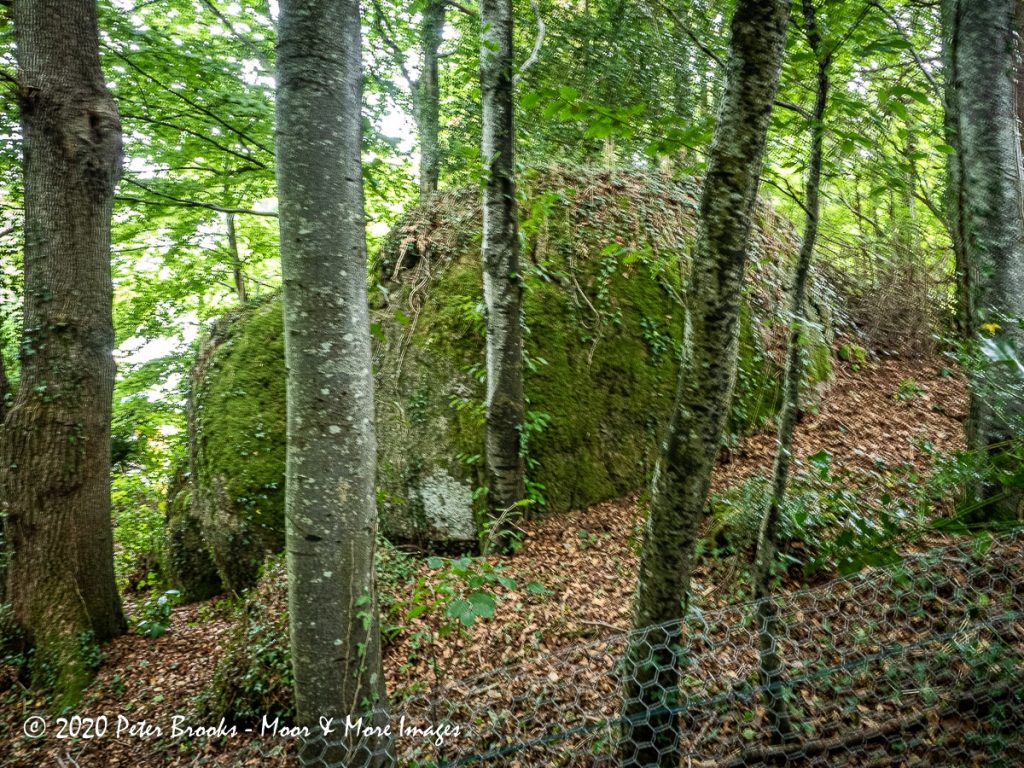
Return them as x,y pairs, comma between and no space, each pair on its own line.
195,105
612,627
784,755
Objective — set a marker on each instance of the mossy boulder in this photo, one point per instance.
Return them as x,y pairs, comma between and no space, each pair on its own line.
605,262
236,433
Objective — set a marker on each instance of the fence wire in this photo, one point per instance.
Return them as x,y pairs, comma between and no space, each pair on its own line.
916,664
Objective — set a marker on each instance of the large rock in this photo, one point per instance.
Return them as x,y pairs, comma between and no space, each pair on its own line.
604,265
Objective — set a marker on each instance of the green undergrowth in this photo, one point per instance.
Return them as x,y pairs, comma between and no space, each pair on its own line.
838,521
427,607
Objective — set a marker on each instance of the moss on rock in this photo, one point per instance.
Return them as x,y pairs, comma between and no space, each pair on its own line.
604,269
186,558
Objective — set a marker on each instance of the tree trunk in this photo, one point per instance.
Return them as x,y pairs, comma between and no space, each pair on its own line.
503,287
236,262
706,377
986,183
5,395
769,630
330,501
954,189
429,97
55,441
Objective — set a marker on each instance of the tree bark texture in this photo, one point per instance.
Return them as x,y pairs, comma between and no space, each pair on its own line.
55,440
5,394
964,308
769,629
503,287
988,183
330,502
679,491
428,98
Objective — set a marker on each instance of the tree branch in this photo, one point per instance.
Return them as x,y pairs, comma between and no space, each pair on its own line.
178,202
786,190
396,50
936,88
196,106
196,134
537,43
794,108
461,7
687,30
253,48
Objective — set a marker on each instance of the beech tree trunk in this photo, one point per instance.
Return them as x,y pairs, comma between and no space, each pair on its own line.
987,183
55,440
503,287
769,629
679,491
330,500
428,98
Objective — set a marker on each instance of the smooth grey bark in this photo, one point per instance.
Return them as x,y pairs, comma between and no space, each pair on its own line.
55,440
988,192
769,627
503,287
428,98
330,502
679,491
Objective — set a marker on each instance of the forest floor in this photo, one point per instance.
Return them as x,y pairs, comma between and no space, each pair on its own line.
586,560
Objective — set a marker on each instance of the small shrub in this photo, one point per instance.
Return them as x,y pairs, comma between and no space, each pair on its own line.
908,390
854,354
154,616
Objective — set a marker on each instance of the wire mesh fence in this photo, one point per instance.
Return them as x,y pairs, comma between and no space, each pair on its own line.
916,664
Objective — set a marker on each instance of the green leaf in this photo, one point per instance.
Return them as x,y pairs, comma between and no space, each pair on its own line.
483,604
461,610
506,582
530,100
821,461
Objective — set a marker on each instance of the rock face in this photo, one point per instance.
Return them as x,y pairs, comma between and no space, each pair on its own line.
605,266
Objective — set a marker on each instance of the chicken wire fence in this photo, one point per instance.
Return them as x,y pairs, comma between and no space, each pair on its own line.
914,664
